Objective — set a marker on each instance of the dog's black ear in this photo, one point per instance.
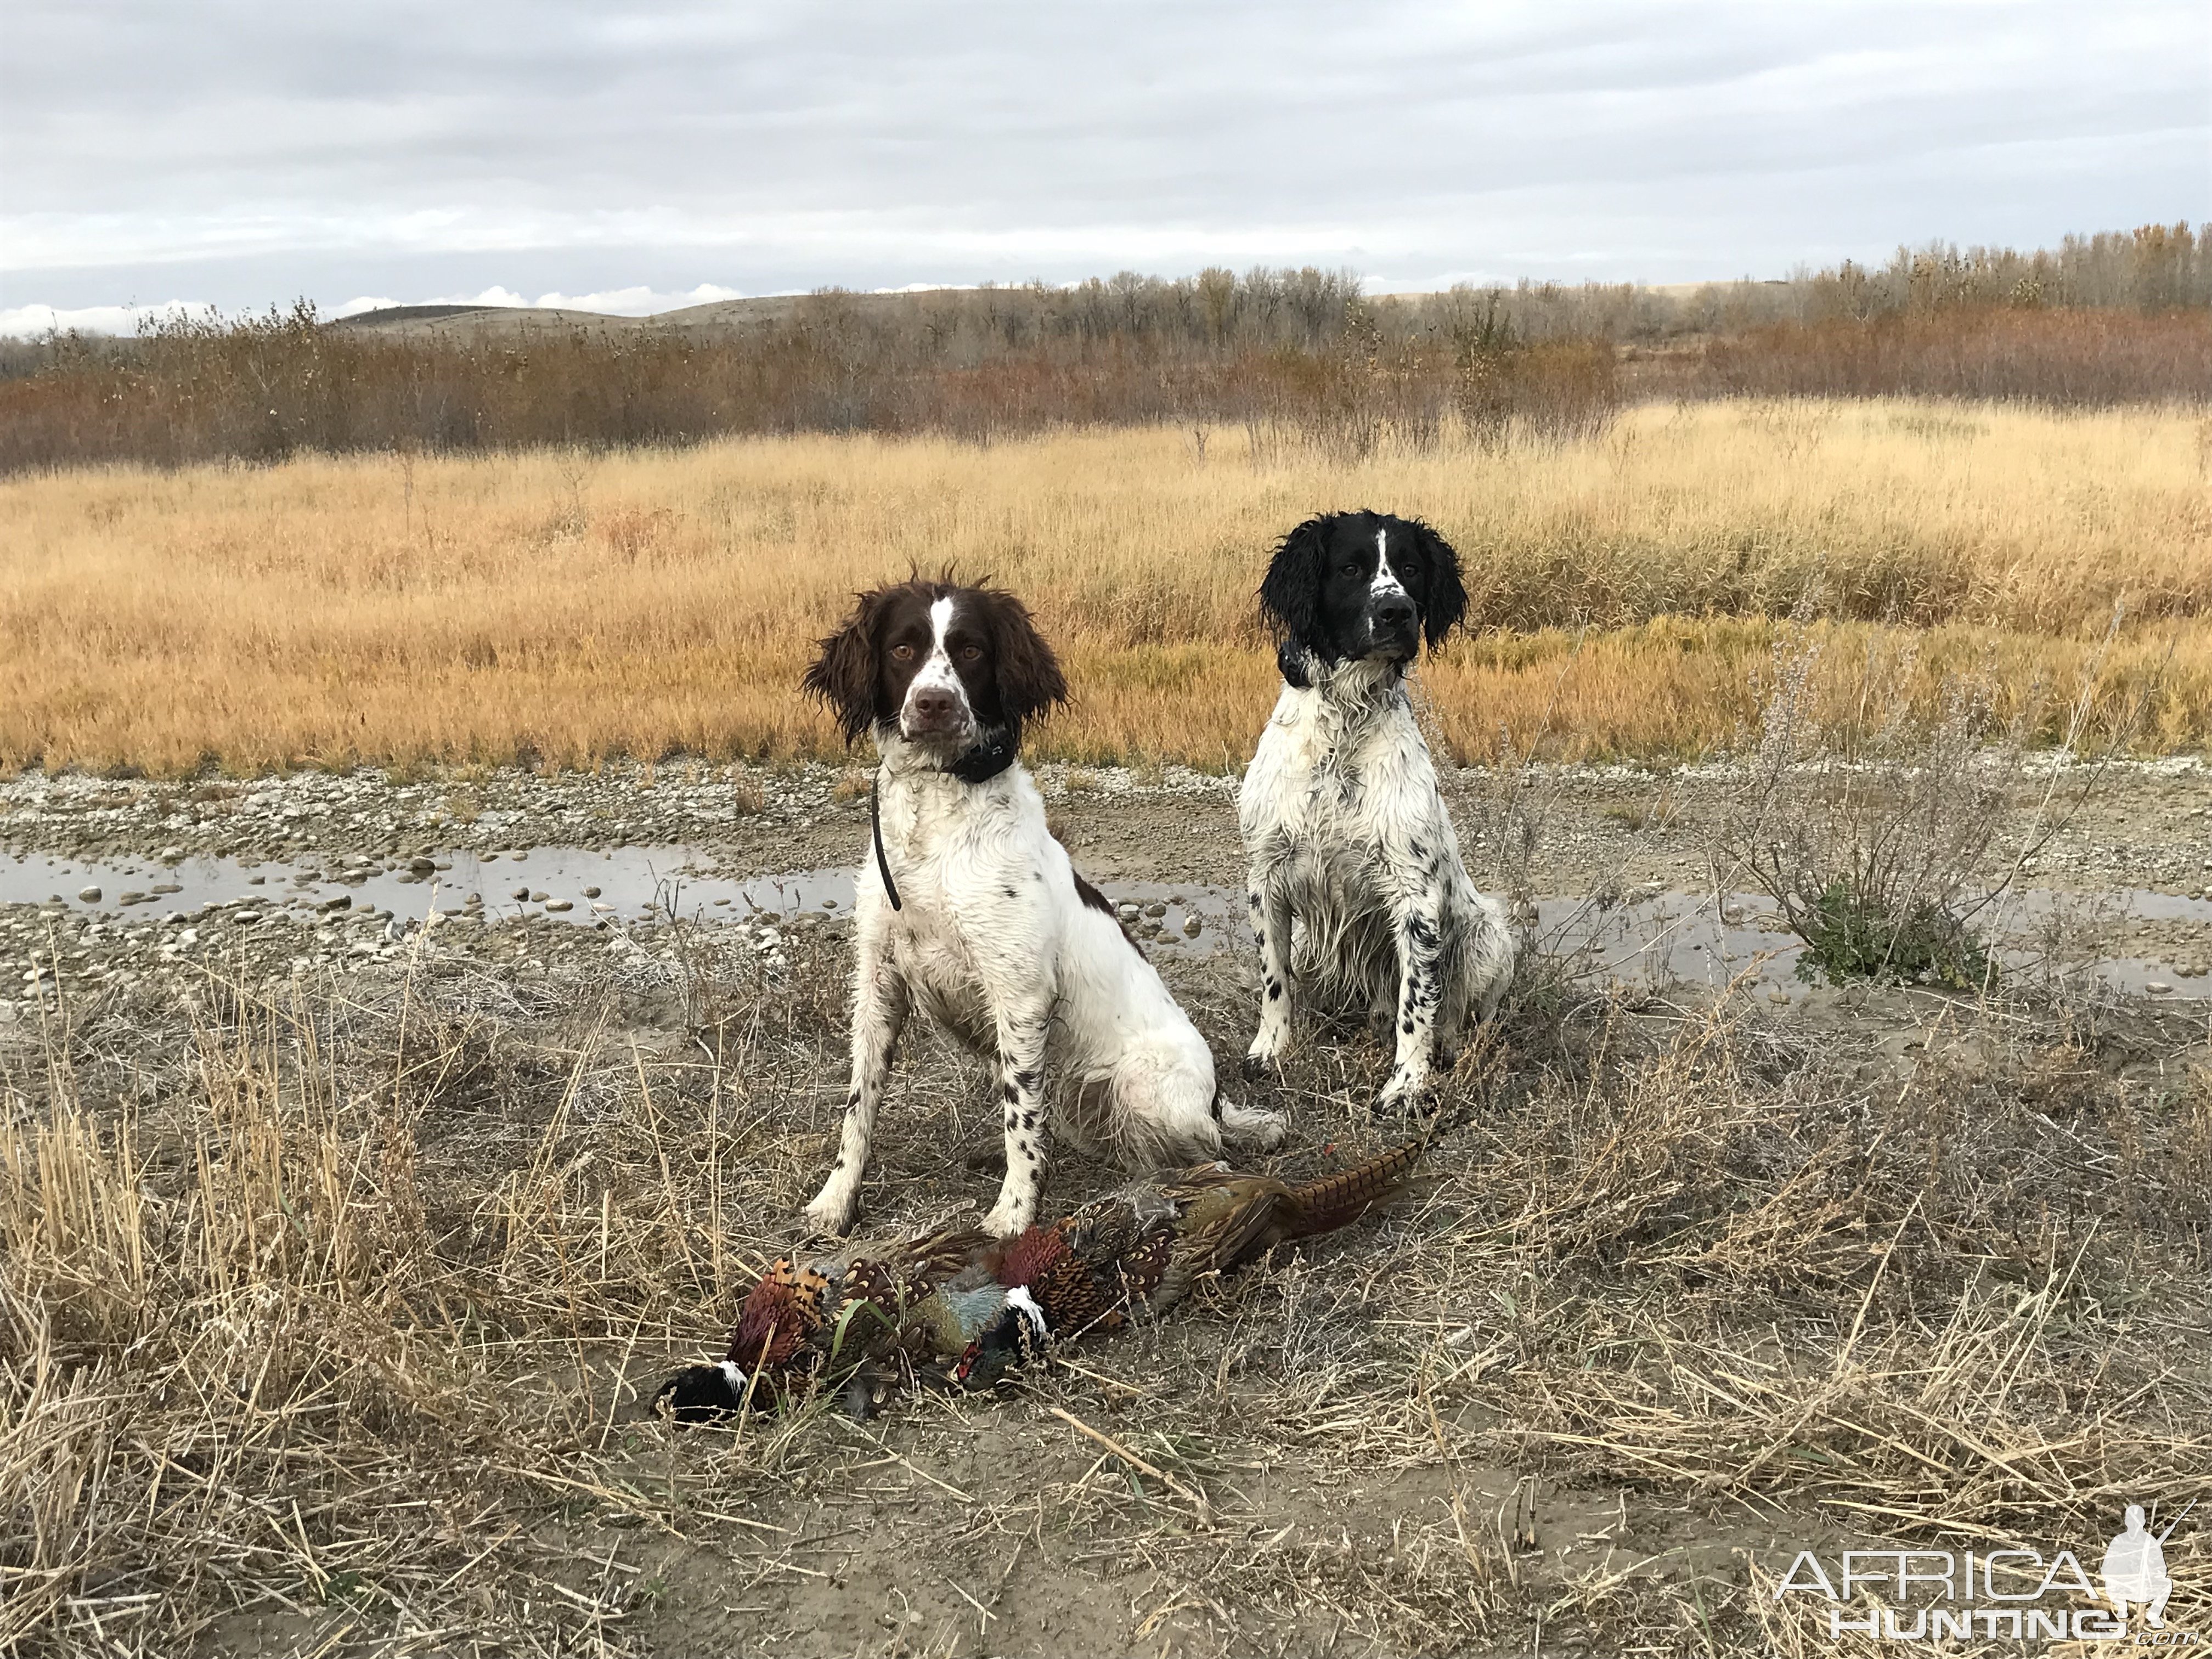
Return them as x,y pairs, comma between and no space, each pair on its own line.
1289,593
844,675
1443,605
1029,682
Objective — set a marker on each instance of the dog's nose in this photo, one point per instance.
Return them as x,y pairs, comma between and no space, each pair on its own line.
1394,613
932,706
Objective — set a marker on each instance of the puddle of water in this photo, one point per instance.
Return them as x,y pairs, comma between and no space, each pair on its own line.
563,883
1671,937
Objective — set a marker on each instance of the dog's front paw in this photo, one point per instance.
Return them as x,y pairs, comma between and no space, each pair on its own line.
829,1216
1007,1219
1404,1098
1250,1130
1263,1061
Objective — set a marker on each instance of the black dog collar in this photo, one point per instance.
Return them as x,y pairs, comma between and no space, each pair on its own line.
992,756
1302,670
980,764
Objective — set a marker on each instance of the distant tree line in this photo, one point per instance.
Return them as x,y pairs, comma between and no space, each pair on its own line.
1295,357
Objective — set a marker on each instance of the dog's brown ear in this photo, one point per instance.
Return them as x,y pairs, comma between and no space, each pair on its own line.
1029,682
845,673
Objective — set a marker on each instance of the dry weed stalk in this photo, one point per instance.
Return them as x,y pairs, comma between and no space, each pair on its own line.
1890,840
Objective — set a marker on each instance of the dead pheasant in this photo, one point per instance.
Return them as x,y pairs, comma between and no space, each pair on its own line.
965,1307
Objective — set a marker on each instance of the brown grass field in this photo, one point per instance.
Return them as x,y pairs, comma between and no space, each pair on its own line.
328,1311
568,607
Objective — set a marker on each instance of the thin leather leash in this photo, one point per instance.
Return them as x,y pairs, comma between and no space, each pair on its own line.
978,765
882,864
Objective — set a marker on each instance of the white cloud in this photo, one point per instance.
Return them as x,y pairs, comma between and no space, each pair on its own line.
639,301
608,158
29,322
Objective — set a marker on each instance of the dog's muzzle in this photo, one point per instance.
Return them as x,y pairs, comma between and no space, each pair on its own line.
934,712
1394,626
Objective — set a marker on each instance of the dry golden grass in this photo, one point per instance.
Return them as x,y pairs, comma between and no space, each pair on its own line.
572,607
327,1313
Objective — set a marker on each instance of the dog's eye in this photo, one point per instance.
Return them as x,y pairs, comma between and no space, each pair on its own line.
970,652
901,654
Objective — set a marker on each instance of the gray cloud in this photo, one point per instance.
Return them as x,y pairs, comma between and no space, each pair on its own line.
244,152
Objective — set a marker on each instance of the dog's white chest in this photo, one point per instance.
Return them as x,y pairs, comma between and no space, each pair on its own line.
1325,782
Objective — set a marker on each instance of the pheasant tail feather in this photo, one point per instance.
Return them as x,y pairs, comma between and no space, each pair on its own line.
1338,1200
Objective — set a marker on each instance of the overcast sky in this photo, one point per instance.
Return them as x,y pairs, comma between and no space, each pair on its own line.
632,156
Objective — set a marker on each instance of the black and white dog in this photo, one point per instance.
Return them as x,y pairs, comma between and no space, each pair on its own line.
966,905
1356,887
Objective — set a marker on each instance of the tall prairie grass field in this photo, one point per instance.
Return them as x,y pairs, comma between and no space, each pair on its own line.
563,607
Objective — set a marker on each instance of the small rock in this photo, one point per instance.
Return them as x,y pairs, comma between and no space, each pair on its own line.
1192,926
2159,987
421,866
1156,909
90,896
559,904
131,898
535,898
590,892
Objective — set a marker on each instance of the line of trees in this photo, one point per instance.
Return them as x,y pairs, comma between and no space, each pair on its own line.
1299,356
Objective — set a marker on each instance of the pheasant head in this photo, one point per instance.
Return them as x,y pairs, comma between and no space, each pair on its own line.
779,1315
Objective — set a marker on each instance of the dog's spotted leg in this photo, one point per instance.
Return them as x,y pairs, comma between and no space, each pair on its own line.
1269,906
879,1009
1022,1028
1418,915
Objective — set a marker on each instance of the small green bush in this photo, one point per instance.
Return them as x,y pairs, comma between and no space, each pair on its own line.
1850,936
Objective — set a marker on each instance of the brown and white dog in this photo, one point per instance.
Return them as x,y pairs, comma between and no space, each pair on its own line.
966,906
